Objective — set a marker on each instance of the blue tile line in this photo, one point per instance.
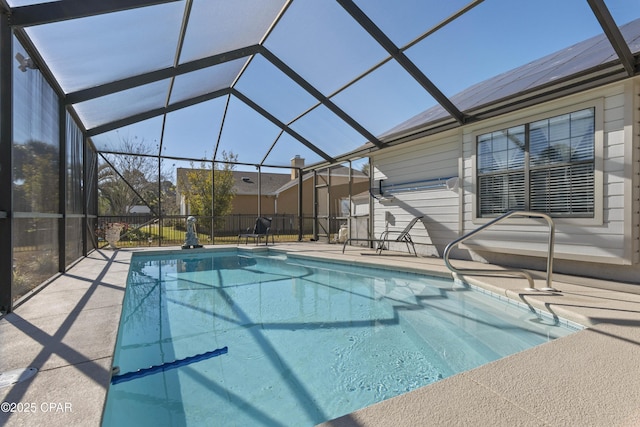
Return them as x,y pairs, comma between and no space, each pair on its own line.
541,313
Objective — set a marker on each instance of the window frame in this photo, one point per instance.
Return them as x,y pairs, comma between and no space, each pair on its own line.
526,119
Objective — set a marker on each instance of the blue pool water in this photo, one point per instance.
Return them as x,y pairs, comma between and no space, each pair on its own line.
271,340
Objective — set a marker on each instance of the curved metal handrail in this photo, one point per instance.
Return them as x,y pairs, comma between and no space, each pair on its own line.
526,275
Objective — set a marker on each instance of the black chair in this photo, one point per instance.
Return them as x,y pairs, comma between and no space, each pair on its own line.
261,229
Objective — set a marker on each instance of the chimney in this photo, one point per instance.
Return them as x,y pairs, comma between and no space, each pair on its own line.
296,162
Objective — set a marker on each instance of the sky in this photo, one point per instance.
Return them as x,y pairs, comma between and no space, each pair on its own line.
320,42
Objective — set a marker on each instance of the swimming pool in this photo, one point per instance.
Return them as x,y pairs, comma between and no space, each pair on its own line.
235,338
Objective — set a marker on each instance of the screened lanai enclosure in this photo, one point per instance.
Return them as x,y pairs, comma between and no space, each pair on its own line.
136,113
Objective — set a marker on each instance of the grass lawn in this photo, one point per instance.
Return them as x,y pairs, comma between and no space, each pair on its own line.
173,236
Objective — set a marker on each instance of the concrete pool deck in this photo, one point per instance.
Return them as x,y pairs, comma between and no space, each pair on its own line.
590,378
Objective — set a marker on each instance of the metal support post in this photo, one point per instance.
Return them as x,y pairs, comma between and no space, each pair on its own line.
6,183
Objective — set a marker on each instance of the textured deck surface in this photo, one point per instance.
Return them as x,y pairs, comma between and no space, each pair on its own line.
591,378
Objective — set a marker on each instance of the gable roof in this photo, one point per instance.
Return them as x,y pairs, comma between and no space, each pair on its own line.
335,171
246,183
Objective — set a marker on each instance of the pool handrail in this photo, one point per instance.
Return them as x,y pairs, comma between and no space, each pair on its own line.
525,274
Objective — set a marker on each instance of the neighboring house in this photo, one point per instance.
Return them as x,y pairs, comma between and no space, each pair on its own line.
575,157
279,191
245,189
334,202
246,192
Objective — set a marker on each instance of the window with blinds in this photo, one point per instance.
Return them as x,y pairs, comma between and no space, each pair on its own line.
544,166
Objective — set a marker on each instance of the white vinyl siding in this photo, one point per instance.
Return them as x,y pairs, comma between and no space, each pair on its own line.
602,238
605,244
424,162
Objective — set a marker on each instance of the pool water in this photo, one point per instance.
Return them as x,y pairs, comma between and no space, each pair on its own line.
298,341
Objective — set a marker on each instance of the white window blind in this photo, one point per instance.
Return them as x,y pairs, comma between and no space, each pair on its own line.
544,166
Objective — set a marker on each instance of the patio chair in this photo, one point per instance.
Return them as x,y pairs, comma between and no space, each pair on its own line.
386,237
261,229
402,236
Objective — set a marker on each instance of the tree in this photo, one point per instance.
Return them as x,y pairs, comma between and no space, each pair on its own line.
168,192
127,180
36,177
196,186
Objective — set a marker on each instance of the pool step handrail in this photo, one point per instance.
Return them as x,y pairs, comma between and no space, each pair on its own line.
523,273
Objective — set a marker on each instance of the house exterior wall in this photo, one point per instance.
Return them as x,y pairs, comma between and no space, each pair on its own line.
286,201
288,198
359,226
606,246
248,204
418,164
340,190
241,204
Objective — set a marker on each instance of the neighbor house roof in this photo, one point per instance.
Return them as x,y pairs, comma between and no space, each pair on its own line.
244,182
247,182
340,170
